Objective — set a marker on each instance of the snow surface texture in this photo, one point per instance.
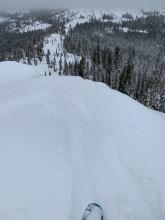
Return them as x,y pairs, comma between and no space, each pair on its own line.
66,142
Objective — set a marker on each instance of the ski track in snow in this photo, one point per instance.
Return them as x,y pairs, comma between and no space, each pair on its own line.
88,162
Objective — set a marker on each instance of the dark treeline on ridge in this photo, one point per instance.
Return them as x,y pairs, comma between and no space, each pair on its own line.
128,57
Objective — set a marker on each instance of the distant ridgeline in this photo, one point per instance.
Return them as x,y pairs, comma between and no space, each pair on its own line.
17,43
128,56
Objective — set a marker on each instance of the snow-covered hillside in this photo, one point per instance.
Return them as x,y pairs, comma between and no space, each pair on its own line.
79,16
66,142
54,45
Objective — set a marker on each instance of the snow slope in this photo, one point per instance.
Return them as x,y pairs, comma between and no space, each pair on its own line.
66,142
54,43
13,72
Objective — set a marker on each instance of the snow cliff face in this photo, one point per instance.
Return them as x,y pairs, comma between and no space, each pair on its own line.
66,142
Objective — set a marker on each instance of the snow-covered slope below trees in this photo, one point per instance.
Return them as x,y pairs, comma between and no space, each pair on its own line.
66,142
55,56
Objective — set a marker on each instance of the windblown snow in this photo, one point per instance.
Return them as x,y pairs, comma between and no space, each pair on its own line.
66,142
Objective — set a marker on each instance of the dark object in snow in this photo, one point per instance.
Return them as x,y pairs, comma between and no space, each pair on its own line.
93,208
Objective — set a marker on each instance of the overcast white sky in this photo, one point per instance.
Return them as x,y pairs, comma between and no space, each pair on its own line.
107,4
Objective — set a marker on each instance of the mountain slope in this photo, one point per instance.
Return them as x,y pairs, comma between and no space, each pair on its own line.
66,142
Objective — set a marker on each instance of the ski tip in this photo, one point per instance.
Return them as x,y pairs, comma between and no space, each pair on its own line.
91,208
93,204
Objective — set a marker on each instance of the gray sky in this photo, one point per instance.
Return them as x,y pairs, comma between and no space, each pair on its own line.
107,4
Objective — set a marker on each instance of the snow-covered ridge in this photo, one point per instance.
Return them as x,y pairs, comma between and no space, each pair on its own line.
13,72
79,16
66,142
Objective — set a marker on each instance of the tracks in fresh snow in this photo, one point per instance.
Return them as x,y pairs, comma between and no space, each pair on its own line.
97,165
91,173
75,158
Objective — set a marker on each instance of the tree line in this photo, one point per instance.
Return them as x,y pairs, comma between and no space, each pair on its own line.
132,62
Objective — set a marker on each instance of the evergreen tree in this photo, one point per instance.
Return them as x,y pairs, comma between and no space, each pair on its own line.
81,67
